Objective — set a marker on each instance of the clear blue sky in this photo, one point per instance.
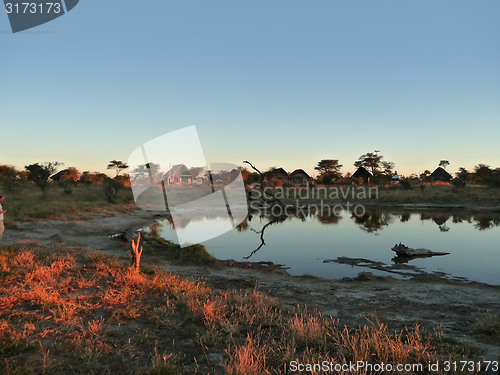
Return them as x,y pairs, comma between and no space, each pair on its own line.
282,83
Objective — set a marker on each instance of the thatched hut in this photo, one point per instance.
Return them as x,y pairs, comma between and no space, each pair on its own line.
278,173
299,177
363,173
178,175
56,177
440,175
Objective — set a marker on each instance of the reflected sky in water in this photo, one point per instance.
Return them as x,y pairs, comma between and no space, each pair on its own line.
314,244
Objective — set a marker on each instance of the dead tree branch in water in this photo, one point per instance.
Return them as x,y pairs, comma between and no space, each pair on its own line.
271,199
261,232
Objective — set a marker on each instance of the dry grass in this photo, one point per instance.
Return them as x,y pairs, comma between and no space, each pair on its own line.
65,311
29,204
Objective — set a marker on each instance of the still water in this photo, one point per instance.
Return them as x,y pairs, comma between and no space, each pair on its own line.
339,246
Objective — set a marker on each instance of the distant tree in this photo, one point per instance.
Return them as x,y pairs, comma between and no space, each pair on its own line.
387,168
425,175
196,171
463,175
494,180
370,161
373,162
117,165
222,177
145,174
482,173
123,179
39,174
68,179
444,163
329,169
71,173
248,176
10,178
93,178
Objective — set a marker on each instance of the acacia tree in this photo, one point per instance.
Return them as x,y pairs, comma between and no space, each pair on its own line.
329,169
387,168
117,165
444,163
39,174
374,162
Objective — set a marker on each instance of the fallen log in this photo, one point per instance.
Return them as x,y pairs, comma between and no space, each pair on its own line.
405,251
129,234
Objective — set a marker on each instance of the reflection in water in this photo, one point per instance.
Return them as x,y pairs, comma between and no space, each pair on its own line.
303,242
441,222
485,222
372,221
272,220
327,217
244,225
405,217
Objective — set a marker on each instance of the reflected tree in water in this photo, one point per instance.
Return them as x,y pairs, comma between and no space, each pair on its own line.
372,221
243,226
328,217
458,219
405,217
485,222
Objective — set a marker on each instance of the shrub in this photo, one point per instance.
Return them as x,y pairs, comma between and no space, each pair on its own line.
40,173
10,178
406,184
110,188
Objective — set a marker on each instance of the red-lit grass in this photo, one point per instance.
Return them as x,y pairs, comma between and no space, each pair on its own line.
64,311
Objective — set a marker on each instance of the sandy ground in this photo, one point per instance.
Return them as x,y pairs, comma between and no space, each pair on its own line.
448,305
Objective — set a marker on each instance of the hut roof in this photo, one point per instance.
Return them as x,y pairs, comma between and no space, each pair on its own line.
179,169
276,172
362,172
298,172
279,170
58,175
440,175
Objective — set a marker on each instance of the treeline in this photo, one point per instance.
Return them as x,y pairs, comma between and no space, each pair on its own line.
372,168
482,175
43,175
